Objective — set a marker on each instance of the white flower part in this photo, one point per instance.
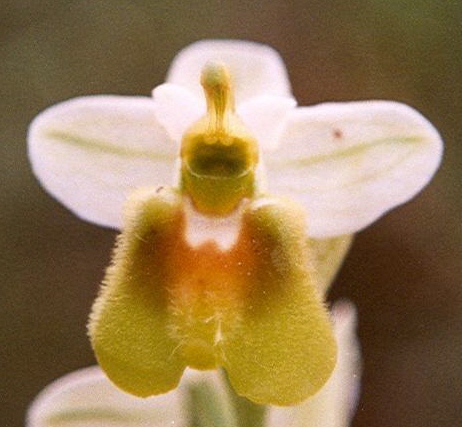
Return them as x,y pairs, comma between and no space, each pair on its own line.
335,404
265,117
262,88
256,69
350,163
86,398
177,108
91,152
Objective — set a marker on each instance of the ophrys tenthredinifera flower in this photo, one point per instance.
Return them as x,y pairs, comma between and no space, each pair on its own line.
212,268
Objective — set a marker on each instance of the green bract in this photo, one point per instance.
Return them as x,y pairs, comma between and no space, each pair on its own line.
250,204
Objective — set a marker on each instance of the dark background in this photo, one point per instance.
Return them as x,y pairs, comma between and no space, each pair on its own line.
403,273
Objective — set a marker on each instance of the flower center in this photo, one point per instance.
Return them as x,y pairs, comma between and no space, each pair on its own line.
218,154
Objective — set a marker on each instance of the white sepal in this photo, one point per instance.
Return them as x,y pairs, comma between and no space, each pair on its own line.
86,398
256,69
91,152
350,163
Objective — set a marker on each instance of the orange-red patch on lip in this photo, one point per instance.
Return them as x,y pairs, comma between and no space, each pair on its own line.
207,287
209,271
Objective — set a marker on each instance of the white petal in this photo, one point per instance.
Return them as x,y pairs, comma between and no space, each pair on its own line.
256,69
335,404
350,163
265,117
86,398
91,152
177,108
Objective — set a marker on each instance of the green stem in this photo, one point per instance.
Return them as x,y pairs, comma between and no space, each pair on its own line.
209,407
249,414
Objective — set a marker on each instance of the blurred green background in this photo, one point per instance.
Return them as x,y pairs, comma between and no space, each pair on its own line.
403,273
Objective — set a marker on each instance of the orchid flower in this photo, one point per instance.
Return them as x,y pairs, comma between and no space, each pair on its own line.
86,398
214,267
